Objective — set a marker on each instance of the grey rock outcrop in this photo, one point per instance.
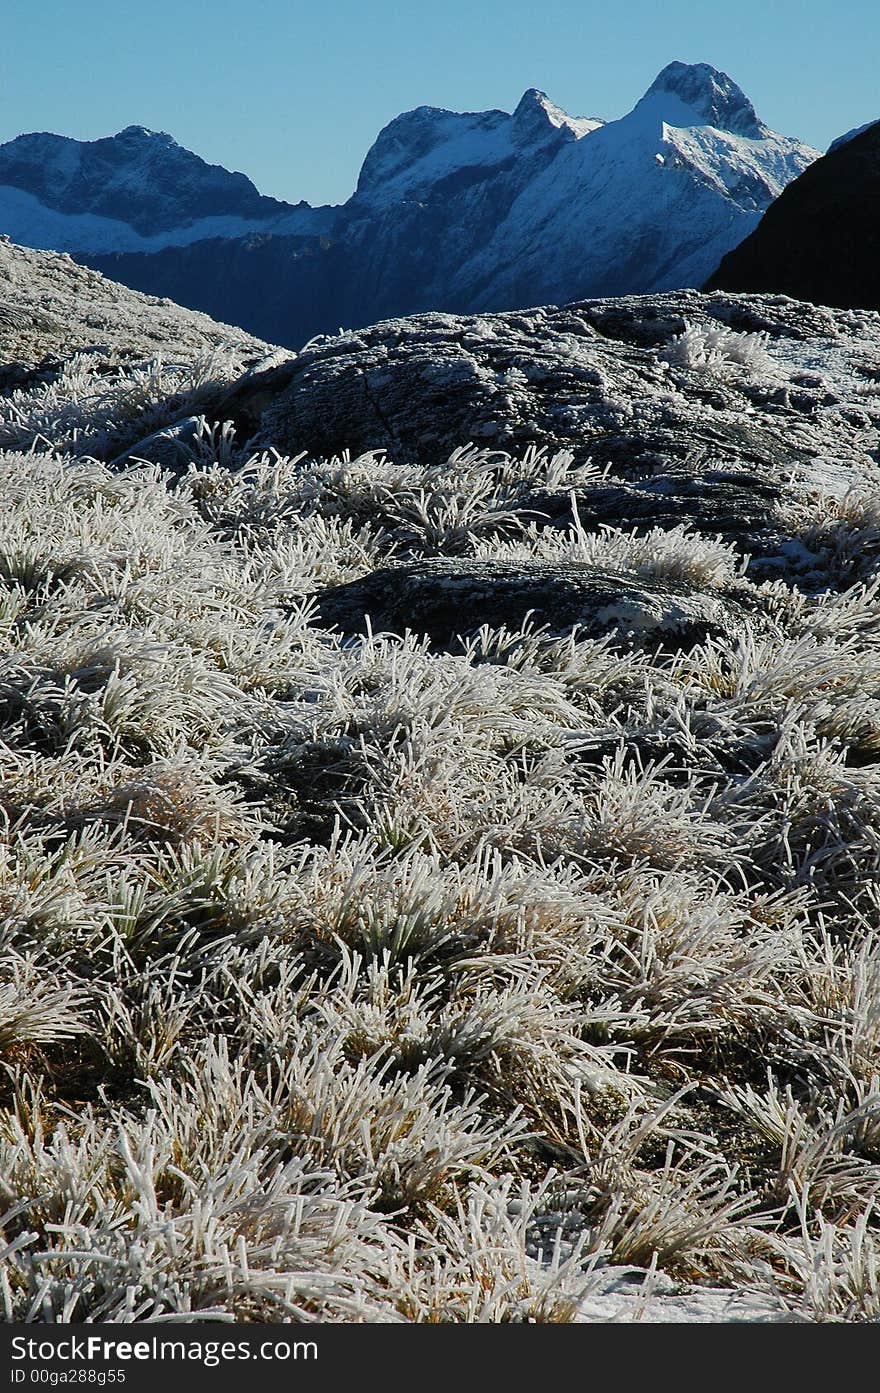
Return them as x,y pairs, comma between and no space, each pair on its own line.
445,599
716,441
718,412
590,377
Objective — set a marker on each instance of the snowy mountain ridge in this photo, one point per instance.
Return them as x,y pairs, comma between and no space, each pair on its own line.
649,201
140,177
420,148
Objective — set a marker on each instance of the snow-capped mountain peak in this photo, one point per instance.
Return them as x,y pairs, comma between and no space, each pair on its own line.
420,149
143,133
641,203
696,94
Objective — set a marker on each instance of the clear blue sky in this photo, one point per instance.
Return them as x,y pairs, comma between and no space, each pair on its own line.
294,93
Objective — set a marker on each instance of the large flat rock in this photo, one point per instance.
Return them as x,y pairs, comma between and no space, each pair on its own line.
447,598
707,410
596,378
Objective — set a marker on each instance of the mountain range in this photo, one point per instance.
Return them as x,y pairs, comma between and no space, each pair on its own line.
454,211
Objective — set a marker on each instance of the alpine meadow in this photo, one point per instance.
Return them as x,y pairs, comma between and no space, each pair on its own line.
440,758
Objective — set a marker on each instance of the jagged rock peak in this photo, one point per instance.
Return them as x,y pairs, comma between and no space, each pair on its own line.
429,143
711,95
537,116
143,133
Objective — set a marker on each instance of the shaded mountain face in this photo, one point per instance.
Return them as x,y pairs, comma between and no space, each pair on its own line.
455,211
820,240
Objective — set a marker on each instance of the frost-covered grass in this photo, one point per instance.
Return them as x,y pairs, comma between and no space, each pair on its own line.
718,348
87,412
352,980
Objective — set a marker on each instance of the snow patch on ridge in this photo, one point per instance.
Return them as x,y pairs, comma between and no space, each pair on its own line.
26,220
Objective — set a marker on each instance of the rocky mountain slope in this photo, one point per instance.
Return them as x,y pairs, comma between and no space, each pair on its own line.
51,308
66,330
455,211
820,240
440,880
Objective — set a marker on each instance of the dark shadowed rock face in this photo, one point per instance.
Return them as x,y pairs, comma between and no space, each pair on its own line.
284,288
737,506
820,240
446,598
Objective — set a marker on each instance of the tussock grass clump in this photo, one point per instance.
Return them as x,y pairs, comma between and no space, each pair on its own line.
349,979
717,348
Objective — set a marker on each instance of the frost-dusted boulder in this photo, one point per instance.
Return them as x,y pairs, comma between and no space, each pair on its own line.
726,414
737,505
704,409
596,378
447,598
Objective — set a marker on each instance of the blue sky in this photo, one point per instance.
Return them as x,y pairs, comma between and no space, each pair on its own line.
294,93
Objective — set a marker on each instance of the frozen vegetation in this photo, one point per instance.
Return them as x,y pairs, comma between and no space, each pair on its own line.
516,964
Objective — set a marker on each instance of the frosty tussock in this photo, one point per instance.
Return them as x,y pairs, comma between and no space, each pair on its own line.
439,882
